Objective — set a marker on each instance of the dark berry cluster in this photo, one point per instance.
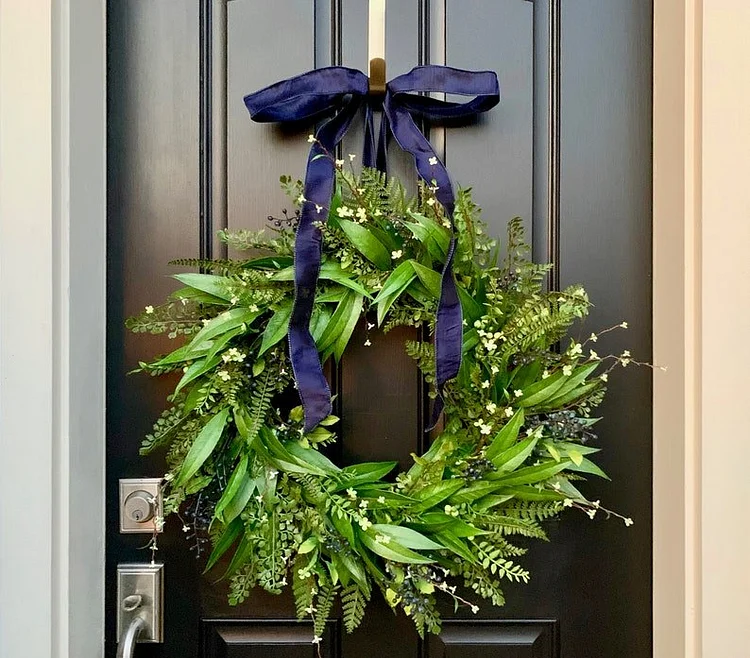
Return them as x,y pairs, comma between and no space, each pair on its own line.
475,468
286,221
565,425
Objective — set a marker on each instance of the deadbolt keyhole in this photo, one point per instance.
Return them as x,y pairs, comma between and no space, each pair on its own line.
140,506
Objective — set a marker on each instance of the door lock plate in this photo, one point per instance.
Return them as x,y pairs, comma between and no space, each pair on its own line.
144,583
140,505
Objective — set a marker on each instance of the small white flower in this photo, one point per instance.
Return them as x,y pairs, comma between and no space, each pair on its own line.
381,500
224,375
351,157
475,609
234,300
486,383
593,337
604,376
368,342
626,353
518,393
396,254
624,325
452,511
628,522
377,213
593,355
434,188
485,429
491,407
253,308
317,639
577,348
364,504
591,513
361,213
382,539
318,209
545,374
447,223
567,370
556,486
351,493
370,325
149,310
568,502
311,138
494,370
430,201
509,412
433,161
344,211
301,199
365,523
490,345
186,528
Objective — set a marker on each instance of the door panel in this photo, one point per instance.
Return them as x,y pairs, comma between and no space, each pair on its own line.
185,161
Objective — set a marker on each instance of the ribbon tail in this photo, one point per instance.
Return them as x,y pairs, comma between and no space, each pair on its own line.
312,385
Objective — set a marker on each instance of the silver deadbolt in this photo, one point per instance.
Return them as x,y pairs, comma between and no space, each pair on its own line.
140,506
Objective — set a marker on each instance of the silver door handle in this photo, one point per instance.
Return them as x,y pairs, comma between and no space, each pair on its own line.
126,644
140,614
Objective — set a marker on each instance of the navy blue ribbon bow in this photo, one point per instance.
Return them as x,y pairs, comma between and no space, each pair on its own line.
342,92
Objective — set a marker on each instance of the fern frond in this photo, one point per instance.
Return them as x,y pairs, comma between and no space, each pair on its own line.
304,588
323,605
353,602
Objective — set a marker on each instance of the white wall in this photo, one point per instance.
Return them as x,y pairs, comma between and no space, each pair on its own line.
52,314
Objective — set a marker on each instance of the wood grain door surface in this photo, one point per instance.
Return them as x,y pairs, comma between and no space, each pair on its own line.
185,160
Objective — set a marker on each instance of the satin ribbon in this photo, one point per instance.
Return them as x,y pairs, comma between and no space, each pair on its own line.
342,92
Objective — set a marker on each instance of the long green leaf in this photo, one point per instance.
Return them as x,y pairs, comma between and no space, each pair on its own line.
195,370
367,244
392,550
228,537
542,391
363,473
218,286
507,436
395,284
226,321
277,327
238,502
340,320
339,346
239,474
533,474
436,493
202,447
455,545
407,537
429,278
510,459
330,271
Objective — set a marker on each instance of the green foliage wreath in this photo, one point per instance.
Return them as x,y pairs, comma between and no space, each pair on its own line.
517,432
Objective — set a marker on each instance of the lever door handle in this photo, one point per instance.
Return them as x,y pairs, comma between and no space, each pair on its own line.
140,614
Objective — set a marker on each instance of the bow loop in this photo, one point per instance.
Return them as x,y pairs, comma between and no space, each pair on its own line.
340,92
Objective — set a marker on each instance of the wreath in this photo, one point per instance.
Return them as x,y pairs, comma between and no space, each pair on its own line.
516,439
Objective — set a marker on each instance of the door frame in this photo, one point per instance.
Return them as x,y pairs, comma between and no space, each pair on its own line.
52,365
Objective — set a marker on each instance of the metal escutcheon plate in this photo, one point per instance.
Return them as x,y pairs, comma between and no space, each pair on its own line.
146,580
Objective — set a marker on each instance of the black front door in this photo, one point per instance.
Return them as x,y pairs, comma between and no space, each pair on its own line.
568,149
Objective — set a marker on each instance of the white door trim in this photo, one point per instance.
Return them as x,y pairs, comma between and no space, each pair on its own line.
52,327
